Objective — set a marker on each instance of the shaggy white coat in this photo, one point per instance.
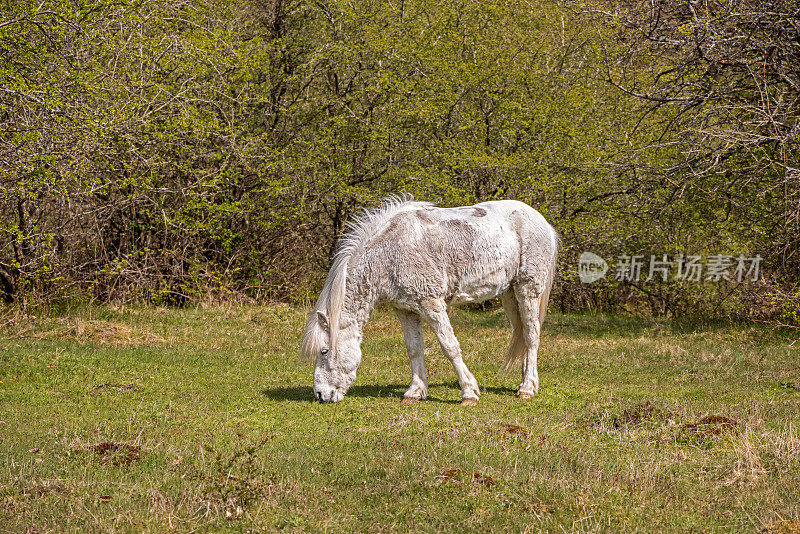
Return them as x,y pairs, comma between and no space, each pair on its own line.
420,259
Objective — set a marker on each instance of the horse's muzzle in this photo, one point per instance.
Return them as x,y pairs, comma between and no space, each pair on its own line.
333,395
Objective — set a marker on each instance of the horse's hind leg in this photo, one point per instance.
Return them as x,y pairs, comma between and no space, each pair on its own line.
415,345
528,298
435,312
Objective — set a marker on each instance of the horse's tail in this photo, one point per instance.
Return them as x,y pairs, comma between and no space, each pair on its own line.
551,274
518,348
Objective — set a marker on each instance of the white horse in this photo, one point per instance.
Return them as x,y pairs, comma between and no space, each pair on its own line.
420,259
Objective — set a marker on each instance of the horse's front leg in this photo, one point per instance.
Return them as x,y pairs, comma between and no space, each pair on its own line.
415,345
435,312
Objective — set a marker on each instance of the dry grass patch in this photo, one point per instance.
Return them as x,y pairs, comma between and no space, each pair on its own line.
98,332
786,445
789,526
110,387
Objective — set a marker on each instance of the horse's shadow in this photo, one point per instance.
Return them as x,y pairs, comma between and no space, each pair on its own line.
306,393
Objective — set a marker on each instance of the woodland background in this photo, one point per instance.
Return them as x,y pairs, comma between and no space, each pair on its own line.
173,151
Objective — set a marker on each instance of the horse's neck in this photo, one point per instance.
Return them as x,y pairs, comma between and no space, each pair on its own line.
360,295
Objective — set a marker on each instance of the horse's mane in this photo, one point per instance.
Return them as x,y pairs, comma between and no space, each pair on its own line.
359,230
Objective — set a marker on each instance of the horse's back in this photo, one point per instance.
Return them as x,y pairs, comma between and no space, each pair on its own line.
538,240
463,254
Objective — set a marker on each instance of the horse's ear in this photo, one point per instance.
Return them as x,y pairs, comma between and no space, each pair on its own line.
323,320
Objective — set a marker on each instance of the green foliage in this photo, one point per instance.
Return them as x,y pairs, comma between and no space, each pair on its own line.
234,139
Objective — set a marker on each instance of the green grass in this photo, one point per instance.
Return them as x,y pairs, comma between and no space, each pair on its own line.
211,414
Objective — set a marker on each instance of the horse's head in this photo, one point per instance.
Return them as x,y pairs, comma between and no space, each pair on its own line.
337,361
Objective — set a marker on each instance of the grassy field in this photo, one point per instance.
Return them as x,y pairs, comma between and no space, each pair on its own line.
143,419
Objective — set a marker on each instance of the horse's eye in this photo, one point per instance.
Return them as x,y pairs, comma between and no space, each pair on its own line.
324,351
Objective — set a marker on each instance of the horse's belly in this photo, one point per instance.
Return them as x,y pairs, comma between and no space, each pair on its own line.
484,286
480,294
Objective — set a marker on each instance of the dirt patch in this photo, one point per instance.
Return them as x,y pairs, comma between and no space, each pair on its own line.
514,430
636,415
116,453
458,476
480,478
450,474
611,419
711,425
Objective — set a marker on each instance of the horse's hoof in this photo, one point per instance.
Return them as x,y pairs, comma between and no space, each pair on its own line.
410,400
525,396
469,402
